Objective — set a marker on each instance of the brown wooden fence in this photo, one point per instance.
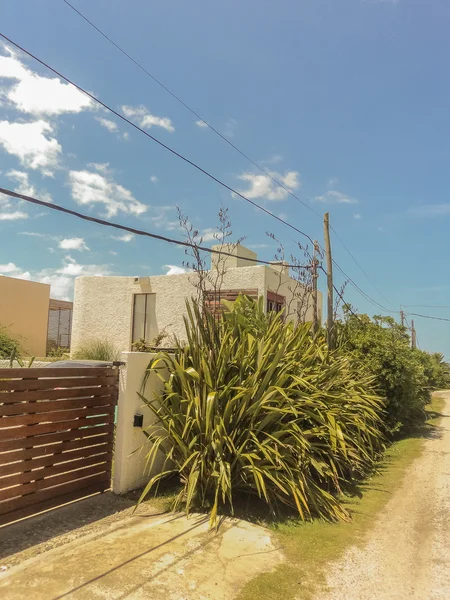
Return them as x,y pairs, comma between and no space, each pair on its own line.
56,436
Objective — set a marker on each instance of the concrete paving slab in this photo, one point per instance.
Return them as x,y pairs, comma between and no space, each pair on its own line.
148,557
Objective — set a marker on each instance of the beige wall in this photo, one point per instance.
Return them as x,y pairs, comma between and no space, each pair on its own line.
24,311
129,457
279,281
103,306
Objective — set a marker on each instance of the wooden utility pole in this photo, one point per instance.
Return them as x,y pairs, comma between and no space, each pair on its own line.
315,277
413,336
326,231
402,318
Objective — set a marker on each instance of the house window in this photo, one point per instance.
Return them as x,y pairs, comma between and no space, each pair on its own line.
142,323
275,302
213,298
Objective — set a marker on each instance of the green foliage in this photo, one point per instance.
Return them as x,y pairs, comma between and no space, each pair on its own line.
140,345
261,411
97,349
404,377
55,351
22,364
8,344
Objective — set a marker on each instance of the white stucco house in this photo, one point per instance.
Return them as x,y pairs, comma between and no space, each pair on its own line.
125,309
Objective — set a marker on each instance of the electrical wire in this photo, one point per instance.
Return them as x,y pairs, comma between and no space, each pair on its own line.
153,138
191,110
357,264
364,294
426,306
223,137
156,236
428,317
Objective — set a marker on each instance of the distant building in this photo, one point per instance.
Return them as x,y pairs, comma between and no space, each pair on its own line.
124,309
31,316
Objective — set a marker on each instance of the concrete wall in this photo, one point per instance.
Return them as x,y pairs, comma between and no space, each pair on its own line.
131,446
103,306
24,312
277,280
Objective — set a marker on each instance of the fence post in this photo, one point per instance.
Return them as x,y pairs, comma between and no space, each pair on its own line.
131,443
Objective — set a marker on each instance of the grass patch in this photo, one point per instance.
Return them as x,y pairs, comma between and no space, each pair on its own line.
309,547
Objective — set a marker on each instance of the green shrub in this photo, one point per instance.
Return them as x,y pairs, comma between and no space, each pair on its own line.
97,349
255,406
8,344
382,347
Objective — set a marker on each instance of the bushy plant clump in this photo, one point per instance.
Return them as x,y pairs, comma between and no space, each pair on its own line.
255,406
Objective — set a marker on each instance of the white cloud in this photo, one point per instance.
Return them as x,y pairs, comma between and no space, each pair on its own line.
201,124
431,210
109,125
335,197
262,186
146,119
25,187
60,279
29,142
126,237
33,234
113,253
90,188
210,235
357,216
38,95
162,219
153,179
75,243
174,270
12,270
230,127
13,216
102,168
332,182
61,286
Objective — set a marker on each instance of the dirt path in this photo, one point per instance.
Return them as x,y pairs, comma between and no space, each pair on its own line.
407,554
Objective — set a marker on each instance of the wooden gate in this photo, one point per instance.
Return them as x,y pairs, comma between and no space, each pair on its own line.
56,436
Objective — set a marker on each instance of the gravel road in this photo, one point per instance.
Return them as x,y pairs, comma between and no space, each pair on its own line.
407,554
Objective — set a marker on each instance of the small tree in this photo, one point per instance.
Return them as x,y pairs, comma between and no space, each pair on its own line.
208,282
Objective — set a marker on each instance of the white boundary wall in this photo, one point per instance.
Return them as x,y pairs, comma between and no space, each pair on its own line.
129,457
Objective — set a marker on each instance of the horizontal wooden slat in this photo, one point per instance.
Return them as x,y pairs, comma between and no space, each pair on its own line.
53,459
55,372
90,433
29,433
53,446
54,416
14,397
52,502
59,491
41,484
75,466
55,383
44,406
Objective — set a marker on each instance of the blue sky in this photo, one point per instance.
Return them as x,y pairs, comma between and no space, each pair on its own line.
346,100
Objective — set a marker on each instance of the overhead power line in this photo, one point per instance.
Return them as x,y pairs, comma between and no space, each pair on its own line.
428,317
223,137
159,142
362,292
358,265
191,110
425,306
155,236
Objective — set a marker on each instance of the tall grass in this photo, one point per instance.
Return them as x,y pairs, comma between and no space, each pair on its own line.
255,406
97,349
